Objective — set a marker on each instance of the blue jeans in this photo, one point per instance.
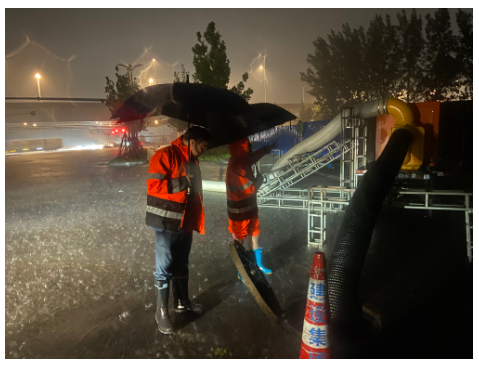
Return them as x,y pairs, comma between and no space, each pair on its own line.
172,250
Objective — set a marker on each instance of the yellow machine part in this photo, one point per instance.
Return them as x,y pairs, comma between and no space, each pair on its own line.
401,112
415,153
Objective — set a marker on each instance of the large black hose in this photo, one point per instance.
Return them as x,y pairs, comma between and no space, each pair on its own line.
346,261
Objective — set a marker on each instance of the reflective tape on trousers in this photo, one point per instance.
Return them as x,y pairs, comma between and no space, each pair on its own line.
241,210
315,336
164,213
317,290
242,188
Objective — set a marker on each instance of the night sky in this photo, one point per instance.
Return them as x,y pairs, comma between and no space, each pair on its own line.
74,49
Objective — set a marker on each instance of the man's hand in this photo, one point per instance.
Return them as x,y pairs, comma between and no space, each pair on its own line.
258,181
190,179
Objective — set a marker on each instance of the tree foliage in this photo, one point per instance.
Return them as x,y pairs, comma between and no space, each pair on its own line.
408,60
118,92
305,113
181,76
212,65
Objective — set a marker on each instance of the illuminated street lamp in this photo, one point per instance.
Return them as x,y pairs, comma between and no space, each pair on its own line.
130,69
24,123
263,67
156,122
34,124
151,81
37,76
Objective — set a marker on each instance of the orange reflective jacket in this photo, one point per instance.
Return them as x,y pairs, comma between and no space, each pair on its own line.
240,181
168,206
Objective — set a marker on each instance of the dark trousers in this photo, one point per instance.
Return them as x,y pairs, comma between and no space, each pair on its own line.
172,250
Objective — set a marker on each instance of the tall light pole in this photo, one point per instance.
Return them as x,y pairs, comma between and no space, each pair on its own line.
130,69
263,67
37,76
156,69
303,92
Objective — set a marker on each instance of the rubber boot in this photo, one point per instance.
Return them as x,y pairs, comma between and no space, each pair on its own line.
162,318
241,278
259,261
181,298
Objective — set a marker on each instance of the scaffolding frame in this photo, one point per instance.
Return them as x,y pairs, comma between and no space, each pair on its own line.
300,167
353,133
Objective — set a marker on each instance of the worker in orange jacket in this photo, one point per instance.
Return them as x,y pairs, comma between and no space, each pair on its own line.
241,188
174,210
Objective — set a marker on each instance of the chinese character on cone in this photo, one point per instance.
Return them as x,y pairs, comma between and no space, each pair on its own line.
315,342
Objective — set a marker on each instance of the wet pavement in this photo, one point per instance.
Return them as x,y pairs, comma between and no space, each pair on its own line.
79,262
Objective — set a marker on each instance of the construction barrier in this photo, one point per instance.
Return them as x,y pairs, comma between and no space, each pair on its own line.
315,343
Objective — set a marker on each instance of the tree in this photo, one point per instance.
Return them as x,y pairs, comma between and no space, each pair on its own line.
300,128
181,76
239,89
464,52
305,113
212,65
387,60
337,76
380,59
411,47
116,94
442,70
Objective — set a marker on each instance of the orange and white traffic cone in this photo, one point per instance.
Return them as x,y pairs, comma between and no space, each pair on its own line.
315,343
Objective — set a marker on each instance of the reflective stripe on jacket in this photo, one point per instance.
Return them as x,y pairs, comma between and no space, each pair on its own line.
167,189
240,187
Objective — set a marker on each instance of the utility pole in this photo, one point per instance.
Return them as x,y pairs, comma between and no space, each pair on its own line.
264,76
303,92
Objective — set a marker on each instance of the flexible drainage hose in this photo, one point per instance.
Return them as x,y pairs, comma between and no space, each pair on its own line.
350,247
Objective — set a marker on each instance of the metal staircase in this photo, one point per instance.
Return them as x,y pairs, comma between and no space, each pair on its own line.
302,166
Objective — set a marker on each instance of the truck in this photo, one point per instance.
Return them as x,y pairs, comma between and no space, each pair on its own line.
16,146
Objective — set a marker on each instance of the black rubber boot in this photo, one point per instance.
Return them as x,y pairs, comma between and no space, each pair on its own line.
165,325
181,298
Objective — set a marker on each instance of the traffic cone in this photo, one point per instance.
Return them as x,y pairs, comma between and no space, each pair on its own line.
315,343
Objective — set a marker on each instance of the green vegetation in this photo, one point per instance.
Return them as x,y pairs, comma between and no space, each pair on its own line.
217,154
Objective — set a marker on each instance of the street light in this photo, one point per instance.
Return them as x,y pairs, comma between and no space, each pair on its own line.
34,124
130,69
263,67
151,81
38,76
303,92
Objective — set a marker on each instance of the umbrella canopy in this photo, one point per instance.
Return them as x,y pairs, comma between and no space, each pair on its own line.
225,114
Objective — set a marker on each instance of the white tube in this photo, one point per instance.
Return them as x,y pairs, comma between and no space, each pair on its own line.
331,130
214,186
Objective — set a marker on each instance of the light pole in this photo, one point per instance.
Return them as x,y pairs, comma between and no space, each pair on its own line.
130,69
263,67
303,92
37,76
156,70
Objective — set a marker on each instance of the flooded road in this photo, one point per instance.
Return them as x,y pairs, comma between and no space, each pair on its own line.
79,262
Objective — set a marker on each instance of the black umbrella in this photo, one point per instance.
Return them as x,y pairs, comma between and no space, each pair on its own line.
225,114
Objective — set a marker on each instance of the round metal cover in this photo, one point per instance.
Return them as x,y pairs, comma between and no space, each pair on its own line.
255,281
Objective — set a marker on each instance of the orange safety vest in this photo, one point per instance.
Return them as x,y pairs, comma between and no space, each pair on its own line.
240,189
168,199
